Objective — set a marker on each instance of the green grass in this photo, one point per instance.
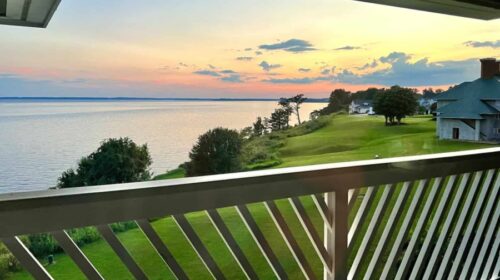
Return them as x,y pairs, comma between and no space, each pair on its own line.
344,138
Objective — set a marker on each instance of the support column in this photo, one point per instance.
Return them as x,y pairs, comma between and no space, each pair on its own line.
336,240
478,130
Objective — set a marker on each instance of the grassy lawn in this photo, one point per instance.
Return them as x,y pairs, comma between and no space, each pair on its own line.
345,138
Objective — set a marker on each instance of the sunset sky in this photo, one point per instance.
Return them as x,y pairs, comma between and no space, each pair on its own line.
239,49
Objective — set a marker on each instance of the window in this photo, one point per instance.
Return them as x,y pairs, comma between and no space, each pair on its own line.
497,130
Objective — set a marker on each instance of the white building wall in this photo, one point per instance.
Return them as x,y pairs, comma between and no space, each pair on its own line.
446,129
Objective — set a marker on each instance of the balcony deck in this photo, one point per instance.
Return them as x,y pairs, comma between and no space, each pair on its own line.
441,217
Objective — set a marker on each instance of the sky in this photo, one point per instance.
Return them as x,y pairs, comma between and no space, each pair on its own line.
239,49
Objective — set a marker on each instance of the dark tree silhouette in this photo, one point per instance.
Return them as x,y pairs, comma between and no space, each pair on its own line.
217,151
115,161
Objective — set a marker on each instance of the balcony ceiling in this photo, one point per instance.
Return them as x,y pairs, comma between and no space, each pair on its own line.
37,13
479,9
31,13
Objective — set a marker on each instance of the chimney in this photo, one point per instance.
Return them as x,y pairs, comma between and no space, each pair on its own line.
489,68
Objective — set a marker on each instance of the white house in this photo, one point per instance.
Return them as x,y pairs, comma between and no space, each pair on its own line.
361,107
471,110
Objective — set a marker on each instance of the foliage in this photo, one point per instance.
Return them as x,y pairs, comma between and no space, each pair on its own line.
8,263
217,151
395,104
339,100
115,161
280,119
258,127
294,104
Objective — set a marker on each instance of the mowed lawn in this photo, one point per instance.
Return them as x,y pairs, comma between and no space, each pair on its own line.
345,138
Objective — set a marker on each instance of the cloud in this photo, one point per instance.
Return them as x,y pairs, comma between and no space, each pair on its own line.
304,70
258,53
325,71
371,65
302,81
207,73
211,66
244,58
233,78
268,67
402,71
248,49
292,45
227,75
483,44
347,48
183,64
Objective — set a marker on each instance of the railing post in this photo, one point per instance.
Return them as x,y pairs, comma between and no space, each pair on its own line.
336,239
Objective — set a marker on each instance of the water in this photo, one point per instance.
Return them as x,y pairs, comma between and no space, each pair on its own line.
40,140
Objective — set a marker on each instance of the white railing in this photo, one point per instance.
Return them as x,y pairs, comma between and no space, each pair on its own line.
431,217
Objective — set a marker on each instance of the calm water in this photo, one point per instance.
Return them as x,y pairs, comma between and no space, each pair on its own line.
39,140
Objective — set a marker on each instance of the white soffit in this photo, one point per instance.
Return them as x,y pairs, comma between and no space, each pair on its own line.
478,9
31,13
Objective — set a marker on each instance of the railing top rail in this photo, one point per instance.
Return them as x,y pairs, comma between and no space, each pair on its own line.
66,208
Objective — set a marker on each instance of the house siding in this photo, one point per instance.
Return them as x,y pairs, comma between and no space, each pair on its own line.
489,128
446,129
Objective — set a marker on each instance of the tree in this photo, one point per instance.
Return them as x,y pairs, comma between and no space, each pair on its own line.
294,103
216,151
395,104
115,161
258,127
280,119
339,100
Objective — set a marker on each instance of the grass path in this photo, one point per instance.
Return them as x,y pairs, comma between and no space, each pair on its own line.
345,138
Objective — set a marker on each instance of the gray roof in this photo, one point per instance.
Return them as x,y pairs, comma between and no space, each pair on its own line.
468,99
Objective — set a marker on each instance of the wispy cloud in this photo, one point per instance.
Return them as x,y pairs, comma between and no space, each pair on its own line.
483,44
233,78
244,58
292,45
207,73
402,71
347,48
258,53
304,70
268,67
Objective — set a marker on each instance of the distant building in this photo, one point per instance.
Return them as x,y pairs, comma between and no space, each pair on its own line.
361,107
471,110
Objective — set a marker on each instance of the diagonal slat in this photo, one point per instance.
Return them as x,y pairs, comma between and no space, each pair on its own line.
198,246
361,214
352,196
370,231
478,234
436,221
389,230
405,227
26,258
289,239
432,265
424,216
231,244
261,241
327,217
458,227
120,250
490,262
496,268
311,232
470,226
162,249
488,240
70,247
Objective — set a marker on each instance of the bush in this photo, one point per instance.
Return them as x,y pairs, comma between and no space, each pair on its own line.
115,161
217,151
